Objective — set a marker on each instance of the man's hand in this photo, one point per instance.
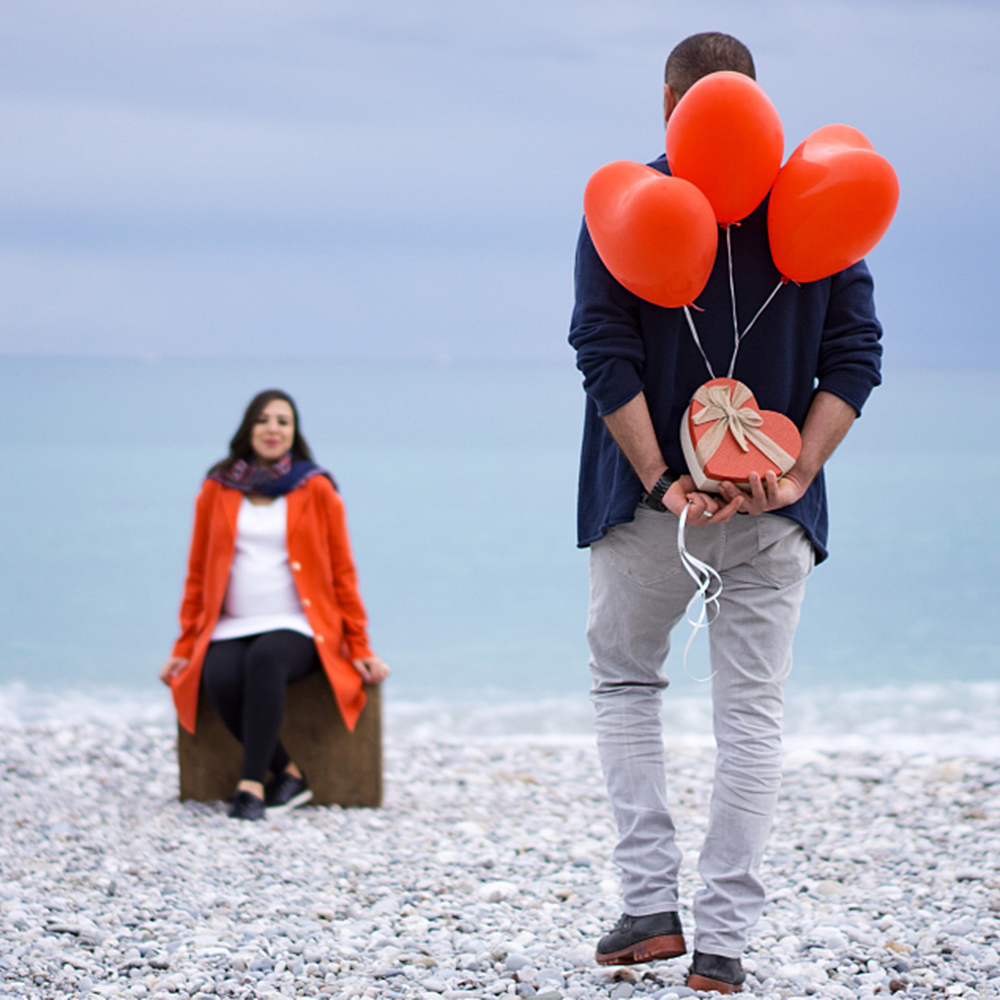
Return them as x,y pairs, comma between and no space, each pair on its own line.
828,420
703,508
767,494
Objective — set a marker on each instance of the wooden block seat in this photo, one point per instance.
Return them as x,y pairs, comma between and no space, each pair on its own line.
342,768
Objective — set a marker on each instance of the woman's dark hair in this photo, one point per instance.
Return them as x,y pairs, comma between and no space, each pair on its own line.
241,447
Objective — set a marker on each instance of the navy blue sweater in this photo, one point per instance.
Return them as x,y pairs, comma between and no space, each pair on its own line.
819,335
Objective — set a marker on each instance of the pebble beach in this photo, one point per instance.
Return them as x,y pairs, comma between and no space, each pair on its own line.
485,874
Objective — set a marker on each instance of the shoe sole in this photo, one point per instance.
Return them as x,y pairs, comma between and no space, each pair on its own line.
650,950
703,984
296,800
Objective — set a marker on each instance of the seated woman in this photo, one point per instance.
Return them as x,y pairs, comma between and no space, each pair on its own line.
271,595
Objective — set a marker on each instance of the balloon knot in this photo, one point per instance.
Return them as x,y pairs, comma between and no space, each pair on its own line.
697,308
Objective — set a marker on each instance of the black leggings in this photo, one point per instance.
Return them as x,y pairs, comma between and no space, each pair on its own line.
245,680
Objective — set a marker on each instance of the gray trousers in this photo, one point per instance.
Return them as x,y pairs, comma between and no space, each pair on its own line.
638,593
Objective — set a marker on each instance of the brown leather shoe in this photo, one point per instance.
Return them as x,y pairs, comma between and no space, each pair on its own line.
715,972
642,939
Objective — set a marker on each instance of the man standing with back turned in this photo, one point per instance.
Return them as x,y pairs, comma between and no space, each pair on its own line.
813,355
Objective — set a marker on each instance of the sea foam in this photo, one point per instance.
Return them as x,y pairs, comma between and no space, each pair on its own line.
954,719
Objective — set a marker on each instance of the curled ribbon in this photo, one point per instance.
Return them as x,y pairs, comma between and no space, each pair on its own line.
728,413
709,585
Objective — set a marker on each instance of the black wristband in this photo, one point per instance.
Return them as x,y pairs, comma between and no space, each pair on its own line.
654,498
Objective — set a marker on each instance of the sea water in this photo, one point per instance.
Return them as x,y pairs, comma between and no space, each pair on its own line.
460,482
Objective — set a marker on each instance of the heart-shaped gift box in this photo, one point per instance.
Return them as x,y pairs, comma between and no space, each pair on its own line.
726,436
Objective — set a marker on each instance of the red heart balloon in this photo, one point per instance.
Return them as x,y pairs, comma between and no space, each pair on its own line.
725,136
656,234
831,204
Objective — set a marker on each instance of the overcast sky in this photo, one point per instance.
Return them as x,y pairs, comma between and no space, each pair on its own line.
404,179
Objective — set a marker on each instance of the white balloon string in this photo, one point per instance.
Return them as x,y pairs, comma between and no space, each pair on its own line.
732,298
709,585
767,302
737,336
697,340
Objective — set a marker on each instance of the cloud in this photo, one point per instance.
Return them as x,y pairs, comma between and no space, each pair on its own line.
179,178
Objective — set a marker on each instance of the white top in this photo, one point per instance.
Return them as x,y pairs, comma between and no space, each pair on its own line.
261,594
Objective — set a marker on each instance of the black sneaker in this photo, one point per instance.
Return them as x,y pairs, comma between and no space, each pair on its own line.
715,972
246,805
642,939
286,792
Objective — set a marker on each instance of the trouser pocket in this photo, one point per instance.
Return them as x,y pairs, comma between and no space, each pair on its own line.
784,553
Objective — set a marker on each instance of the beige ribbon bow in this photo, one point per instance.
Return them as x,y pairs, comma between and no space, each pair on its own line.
729,414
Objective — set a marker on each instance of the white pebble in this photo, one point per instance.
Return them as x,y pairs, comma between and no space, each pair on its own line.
494,892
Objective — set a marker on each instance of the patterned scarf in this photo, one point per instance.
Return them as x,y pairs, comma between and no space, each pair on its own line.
270,480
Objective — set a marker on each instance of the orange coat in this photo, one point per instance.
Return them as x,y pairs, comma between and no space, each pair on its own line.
319,554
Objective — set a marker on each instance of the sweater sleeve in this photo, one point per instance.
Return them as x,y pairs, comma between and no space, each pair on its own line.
851,350
345,577
192,603
604,332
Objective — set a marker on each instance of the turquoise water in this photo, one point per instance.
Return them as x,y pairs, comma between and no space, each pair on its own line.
460,486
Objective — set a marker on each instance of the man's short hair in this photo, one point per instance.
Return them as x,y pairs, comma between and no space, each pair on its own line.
708,52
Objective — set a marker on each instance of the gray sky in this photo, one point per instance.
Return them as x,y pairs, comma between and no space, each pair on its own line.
404,180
